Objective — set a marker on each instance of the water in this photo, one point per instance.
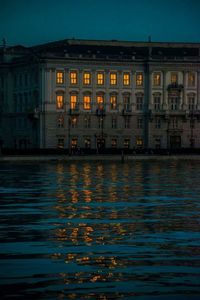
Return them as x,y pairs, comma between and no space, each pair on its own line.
100,230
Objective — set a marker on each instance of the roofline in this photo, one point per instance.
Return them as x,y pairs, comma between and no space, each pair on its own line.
119,43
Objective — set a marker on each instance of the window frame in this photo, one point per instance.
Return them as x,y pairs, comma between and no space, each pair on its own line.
87,104
113,78
126,79
139,82
59,77
73,79
87,79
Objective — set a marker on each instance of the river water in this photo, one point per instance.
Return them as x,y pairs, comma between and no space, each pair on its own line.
100,230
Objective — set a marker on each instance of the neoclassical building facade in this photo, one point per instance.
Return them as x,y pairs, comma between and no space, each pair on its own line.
98,95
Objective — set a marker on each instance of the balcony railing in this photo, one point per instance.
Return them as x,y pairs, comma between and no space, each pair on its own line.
100,112
126,111
74,111
175,87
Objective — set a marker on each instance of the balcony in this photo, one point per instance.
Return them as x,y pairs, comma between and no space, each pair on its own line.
175,87
100,112
33,113
126,112
74,111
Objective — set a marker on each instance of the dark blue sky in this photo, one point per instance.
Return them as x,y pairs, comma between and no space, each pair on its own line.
31,22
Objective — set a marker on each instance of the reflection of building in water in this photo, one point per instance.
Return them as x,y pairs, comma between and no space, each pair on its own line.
83,94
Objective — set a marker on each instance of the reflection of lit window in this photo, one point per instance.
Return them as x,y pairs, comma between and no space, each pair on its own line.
87,102
126,79
113,102
114,143
86,78
139,79
73,101
60,101
100,78
59,77
174,78
191,79
156,79
73,77
113,78
60,143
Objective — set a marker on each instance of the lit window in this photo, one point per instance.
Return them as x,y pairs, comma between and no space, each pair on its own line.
100,101
73,101
156,79
87,102
60,101
191,79
113,78
100,78
86,78
73,77
139,79
59,77
113,102
126,79
174,78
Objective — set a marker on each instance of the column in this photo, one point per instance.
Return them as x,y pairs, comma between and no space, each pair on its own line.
198,90
184,103
165,105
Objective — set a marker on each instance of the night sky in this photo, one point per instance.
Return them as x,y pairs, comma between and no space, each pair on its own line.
31,22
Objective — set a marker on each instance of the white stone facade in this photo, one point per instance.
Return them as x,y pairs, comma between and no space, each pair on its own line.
156,97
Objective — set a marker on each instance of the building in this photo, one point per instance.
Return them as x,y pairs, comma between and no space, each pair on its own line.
100,95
